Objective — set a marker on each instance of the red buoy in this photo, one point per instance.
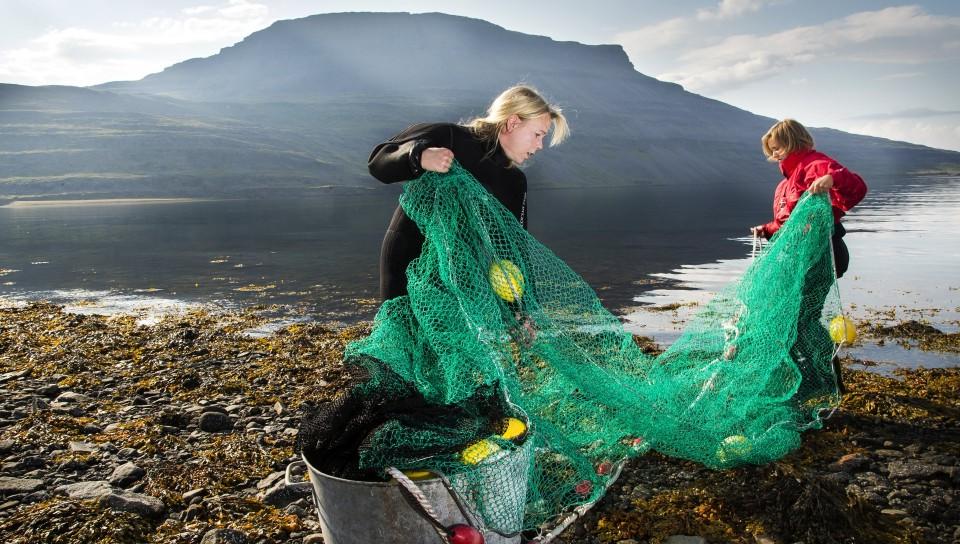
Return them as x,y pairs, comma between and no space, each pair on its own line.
464,534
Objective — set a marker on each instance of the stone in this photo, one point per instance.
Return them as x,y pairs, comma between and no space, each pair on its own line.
224,536
86,490
12,486
315,538
8,376
850,462
684,539
66,408
197,493
888,453
280,495
270,480
918,470
68,397
82,447
90,428
36,496
213,422
126,475
193,512
49,390
126,501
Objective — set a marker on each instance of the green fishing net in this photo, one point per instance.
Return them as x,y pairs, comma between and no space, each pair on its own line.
499,327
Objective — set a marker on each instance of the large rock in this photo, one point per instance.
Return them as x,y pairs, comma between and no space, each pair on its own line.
12,486
86,490
126,501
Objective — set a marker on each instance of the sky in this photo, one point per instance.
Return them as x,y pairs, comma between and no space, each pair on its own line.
875,67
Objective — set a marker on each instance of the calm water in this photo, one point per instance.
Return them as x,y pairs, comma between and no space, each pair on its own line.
318,256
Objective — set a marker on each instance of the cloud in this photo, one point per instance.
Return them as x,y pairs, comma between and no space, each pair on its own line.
129,50
904,35
657,36
909,114
941,134
728,9
678,30
901,75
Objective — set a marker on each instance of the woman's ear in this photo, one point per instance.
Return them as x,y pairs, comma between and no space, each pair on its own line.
513,122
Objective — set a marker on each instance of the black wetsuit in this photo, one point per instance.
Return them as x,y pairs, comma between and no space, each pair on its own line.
398,159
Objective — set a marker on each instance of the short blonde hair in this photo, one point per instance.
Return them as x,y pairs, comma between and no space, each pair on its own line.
526,103
791,136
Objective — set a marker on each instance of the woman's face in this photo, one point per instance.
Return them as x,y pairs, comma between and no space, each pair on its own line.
777,152
521,138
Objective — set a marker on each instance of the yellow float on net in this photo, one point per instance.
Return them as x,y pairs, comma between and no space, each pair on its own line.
511,428
479,451
506,280
733,447
842,330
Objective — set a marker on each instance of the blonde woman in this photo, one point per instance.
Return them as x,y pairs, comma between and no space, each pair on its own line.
806,169
490,148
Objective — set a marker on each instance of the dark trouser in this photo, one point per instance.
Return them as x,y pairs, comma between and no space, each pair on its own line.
813,341
397,251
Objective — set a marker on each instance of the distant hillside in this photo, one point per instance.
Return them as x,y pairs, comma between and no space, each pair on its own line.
300,104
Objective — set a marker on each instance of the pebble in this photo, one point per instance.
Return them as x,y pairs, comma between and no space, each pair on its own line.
127,501
224,536
213,422
126,475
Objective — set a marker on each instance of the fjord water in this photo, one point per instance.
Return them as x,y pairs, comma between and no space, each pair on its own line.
317,257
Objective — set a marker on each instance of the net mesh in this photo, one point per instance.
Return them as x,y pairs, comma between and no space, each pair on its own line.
497,330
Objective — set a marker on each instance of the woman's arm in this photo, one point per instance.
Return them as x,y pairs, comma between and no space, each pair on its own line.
408,154
846,187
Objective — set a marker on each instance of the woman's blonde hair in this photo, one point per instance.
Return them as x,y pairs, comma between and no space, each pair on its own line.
524,102
791,136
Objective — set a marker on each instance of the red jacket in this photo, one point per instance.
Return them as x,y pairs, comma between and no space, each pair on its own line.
800,169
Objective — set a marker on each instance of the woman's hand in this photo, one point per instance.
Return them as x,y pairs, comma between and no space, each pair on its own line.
436,159
757,231
822,184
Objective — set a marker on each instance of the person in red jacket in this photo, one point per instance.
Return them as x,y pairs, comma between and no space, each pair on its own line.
806,169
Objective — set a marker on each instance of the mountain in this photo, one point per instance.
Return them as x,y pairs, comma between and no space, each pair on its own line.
300,104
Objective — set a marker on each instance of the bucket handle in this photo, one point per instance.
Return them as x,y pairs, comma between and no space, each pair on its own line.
288,477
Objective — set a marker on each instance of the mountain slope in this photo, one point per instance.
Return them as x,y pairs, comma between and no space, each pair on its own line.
301,103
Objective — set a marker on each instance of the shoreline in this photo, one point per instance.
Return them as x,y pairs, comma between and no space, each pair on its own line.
97,202
171,431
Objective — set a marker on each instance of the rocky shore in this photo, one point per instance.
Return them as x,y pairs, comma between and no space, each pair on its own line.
178,432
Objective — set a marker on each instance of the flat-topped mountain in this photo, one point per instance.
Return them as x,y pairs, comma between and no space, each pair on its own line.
300,104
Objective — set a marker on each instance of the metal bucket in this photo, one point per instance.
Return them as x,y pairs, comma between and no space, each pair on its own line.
355,512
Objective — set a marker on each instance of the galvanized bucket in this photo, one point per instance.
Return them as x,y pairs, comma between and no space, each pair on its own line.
356,512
